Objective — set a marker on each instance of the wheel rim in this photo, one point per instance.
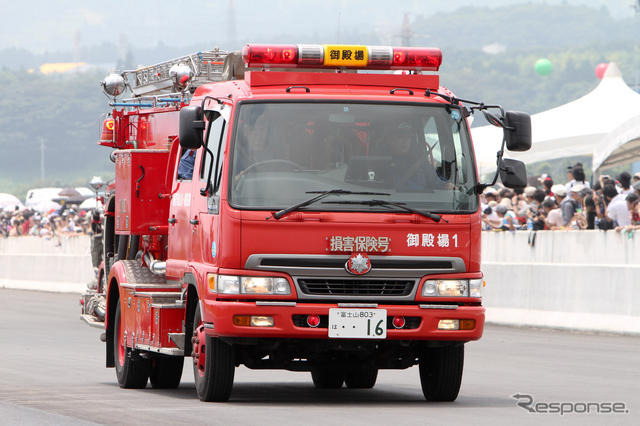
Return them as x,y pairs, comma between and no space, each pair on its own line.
120,340
199,349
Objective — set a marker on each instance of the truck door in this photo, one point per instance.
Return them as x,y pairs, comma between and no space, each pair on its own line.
204,209
179,212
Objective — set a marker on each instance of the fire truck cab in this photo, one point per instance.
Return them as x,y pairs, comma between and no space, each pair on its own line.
301,207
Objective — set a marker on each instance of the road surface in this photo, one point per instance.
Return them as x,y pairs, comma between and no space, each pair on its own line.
52,372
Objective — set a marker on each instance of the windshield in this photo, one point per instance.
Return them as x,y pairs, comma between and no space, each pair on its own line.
418,155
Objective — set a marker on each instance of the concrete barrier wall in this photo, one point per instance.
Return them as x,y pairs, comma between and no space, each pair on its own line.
33,263
584,280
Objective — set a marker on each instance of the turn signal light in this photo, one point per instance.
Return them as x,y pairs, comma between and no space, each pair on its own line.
454,324
253,321
467,324
242,320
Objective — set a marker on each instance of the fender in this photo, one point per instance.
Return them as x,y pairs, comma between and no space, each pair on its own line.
190,294
116,277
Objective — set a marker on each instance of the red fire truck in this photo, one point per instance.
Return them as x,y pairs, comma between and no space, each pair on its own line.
302,207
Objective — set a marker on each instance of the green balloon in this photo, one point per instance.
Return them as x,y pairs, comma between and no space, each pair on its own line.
543,66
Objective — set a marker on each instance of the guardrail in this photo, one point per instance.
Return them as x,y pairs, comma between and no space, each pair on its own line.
580,280
32,263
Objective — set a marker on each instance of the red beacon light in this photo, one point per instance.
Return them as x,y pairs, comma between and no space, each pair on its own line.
342,56
277,55
108,126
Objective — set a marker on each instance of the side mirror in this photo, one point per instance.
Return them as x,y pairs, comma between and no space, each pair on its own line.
517,130
191,127
513,173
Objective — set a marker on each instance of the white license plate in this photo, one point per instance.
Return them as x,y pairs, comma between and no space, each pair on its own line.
358,323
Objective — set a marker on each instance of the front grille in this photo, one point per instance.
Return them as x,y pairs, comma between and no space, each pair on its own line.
338,262
352,287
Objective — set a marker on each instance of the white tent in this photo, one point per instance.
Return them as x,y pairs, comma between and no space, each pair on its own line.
575,128
620,146
88,204
9,202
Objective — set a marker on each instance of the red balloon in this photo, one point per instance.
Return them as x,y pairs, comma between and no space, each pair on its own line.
600,69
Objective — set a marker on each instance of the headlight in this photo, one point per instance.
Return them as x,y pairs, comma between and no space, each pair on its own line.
230,284
475,288
451,288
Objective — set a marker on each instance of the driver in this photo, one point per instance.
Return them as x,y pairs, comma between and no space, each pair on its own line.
410,166
252,145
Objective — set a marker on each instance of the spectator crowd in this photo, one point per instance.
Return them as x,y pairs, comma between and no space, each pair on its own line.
608,204
64,221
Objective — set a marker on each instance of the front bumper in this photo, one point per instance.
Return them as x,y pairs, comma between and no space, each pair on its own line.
218,317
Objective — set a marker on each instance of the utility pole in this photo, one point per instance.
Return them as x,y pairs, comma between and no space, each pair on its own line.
42,159
405,33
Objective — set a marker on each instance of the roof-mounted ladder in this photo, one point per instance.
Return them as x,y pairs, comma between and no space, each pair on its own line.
154,80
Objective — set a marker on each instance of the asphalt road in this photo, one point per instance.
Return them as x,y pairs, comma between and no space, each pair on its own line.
52,372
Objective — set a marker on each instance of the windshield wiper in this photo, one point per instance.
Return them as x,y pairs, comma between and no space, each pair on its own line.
384,203
320,196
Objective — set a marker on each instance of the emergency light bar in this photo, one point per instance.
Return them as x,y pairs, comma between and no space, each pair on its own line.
342,56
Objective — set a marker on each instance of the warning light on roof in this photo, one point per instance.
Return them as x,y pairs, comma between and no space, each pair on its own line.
342,56
107,130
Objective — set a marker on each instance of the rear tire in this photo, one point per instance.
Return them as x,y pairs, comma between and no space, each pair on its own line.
361,378
327,378
131,370
441,372
213,364
166,372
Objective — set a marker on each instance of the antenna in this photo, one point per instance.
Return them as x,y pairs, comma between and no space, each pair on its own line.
231,22
405,33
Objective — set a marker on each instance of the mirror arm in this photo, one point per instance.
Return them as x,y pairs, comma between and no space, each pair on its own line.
481,186
204,191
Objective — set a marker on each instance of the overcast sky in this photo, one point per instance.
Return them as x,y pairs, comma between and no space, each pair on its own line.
39,25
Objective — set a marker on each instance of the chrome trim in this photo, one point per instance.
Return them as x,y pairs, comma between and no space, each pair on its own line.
453,307
158,294
254,262
166,351
177,339
177,305
274,303
357,305
208,325
150,286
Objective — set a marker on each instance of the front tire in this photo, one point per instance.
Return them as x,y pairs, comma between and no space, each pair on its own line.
327,378
213,364
361,378
166,372
441,372
132,371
